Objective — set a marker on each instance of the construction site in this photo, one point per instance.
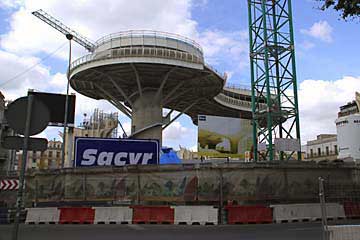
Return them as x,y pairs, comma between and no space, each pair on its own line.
249,167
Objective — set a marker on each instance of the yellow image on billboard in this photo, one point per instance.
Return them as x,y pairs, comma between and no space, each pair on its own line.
223,136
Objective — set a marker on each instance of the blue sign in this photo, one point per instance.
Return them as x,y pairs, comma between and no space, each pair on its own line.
115,152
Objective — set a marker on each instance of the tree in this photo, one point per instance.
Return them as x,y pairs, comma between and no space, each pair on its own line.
348,8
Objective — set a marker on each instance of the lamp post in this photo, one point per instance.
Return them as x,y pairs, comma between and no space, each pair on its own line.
68,37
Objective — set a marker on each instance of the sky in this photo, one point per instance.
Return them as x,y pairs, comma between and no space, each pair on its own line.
327,50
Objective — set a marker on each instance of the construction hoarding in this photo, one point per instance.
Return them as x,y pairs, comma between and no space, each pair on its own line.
223,136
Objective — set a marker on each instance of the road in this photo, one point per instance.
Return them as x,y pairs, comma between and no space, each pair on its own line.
308,231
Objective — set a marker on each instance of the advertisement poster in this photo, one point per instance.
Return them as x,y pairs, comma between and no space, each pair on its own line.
224,136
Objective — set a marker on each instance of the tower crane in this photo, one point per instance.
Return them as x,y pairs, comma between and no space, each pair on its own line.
273,80
68,32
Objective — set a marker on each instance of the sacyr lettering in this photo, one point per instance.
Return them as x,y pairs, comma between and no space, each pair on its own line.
91,157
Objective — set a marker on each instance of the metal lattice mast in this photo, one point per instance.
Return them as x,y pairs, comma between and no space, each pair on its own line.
47,18
273,76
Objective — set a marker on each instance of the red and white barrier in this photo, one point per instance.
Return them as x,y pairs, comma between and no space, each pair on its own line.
191,215
113,215
42,215
153,214
306,212
82,215
237,214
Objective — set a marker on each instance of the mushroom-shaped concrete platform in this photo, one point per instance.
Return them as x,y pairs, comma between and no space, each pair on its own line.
142,72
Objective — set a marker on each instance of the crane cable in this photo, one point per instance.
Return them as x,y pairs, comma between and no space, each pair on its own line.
33,66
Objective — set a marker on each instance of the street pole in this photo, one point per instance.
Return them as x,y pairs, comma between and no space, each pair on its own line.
323,208
69,37
19,199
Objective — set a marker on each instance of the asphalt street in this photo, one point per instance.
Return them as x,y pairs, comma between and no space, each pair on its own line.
308,231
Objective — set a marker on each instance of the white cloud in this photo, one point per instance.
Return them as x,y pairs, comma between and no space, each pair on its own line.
320,30
319,103
9,4
306,45
221,46
176,131
12,65
177,134
30,35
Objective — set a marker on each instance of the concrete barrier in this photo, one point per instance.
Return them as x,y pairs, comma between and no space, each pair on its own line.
237,214
306,212
42,215
195,215
81,215
113,215
344,232
152,214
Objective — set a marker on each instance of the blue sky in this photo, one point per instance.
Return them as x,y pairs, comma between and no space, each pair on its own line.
326,49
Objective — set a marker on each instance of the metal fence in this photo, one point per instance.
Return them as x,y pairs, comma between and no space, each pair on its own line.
348,194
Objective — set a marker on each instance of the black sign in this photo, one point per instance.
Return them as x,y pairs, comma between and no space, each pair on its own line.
56,105
17,143
16,116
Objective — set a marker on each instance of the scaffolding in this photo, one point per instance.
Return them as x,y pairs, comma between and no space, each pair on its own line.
105,124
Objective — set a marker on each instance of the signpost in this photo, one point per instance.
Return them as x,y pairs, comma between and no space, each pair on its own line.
115,152
29,116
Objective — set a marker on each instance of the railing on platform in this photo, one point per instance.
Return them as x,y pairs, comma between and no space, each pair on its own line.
148,33
139,52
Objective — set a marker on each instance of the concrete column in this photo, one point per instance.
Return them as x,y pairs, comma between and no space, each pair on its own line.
69,152
147,112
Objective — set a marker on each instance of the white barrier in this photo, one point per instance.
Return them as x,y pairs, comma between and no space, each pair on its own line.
305,212
195,215
344,232
42,215
118,215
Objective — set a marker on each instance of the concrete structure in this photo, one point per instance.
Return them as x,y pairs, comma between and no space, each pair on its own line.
99,124
348,130
142,72
325,147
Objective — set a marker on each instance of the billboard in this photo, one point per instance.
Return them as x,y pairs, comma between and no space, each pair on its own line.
224,136
90,152
56,105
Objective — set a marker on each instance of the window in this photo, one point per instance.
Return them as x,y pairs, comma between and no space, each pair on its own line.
319,152
58,154
327,151
336,149
311,153
50,154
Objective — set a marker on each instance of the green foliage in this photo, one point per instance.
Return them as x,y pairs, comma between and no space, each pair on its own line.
349,9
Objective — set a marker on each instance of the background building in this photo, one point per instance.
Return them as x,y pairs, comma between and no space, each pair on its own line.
99,124
325,147
48,159
7,157
348,130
